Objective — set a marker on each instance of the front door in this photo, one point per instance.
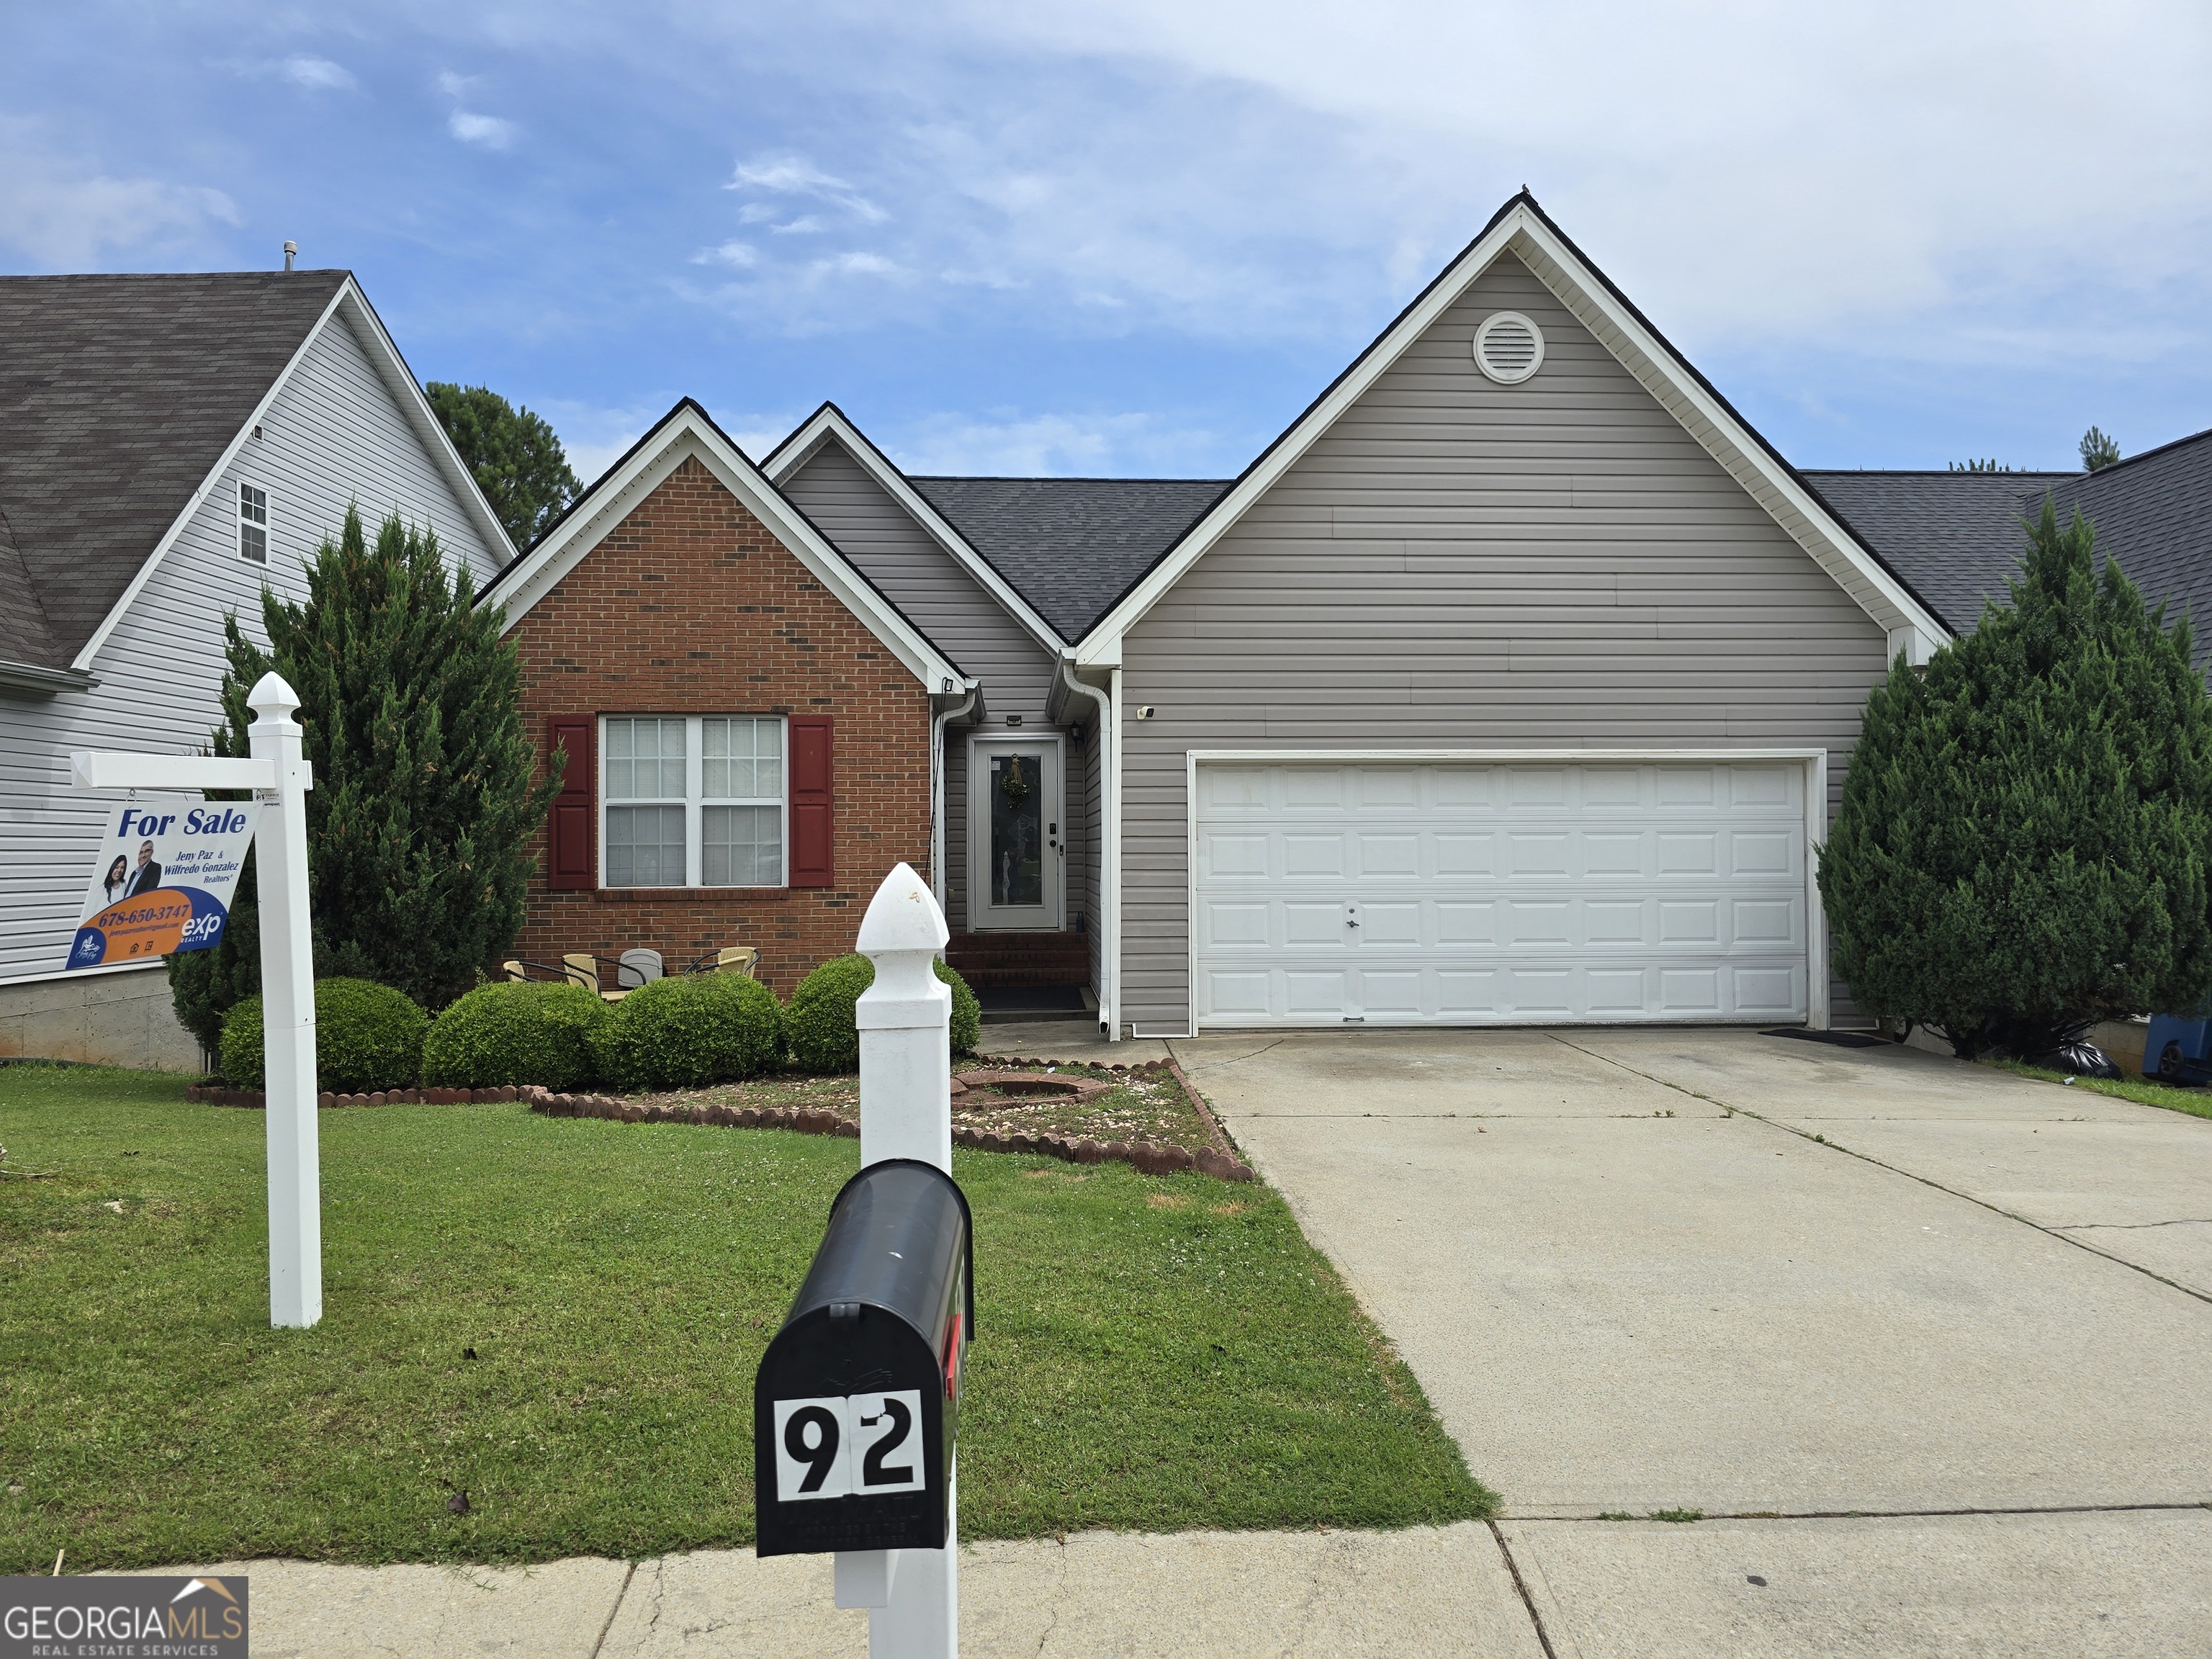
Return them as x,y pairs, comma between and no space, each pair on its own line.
1014,838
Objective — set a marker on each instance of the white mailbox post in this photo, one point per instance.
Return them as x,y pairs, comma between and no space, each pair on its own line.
280,775
905,1021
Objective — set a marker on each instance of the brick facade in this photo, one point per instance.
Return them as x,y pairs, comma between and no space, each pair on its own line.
691,606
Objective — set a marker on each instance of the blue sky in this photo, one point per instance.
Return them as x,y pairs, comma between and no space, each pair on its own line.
1135,237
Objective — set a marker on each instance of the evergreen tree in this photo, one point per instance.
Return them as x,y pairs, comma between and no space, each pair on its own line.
419,824
2097,451
513,455
2021,845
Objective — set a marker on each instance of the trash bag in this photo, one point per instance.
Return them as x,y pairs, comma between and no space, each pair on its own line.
2080,1057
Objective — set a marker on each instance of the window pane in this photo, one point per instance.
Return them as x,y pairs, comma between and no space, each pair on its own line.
743,759
645,760
252,504
644,846
743,846
253,544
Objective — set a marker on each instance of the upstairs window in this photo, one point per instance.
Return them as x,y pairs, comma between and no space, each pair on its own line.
252,524
693,801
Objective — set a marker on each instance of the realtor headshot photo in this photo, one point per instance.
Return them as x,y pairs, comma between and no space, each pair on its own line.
117,882
148,874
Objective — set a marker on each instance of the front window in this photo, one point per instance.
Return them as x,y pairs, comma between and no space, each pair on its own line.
252,524
693,801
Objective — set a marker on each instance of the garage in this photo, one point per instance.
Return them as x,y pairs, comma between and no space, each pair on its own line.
1524,892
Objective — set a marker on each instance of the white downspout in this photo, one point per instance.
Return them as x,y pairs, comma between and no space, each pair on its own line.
937,724
1110,845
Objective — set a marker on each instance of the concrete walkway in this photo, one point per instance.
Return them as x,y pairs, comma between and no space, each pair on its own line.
1766,1278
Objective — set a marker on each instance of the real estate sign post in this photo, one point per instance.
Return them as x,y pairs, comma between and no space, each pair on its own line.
181,863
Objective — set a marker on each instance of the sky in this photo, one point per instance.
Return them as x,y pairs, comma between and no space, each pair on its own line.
1137,237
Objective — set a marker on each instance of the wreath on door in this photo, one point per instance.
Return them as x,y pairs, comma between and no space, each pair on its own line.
1013,786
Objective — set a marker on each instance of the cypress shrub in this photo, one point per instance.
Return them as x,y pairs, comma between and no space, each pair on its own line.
824,1034
515,1033
368,1037
692,1029
2021,848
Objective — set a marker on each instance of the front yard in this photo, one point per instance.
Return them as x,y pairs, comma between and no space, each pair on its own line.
560,1318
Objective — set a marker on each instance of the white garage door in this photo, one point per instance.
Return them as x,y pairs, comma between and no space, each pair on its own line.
1474,894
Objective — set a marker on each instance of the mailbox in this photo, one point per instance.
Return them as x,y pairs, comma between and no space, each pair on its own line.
856,1406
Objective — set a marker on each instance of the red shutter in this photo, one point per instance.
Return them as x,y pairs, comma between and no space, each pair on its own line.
571,862
812,863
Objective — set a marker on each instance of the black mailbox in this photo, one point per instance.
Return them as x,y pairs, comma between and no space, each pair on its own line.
856,1406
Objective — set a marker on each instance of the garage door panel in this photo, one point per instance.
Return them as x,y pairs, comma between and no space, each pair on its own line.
1501,892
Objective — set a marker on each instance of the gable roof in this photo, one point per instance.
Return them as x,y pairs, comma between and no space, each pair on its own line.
829,424
1073,546
1959,535
1523,228
121,398
687,432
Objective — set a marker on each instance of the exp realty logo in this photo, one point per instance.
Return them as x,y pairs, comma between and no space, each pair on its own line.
123,1619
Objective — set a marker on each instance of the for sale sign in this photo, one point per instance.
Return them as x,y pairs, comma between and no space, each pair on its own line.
163,880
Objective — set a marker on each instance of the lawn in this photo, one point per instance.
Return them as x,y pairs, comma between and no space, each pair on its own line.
561,1317
2140,1090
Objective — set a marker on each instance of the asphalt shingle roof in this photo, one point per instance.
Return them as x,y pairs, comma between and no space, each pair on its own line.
118,394
1957,537
1071,546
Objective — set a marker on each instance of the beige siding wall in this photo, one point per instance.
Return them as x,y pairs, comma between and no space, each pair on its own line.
1459,564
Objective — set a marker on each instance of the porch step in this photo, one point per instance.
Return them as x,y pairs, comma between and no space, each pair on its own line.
1014,960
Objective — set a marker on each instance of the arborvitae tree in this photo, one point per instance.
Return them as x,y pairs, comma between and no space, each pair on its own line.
2022,840
419,824
2097,451
514,456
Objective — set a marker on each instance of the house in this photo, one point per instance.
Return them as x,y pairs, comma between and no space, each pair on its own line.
169,444
1959,535
1513,683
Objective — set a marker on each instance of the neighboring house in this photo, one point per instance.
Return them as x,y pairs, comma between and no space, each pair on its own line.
1513,684
1959,536
169,446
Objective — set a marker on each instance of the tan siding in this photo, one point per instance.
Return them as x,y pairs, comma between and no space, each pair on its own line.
1458,564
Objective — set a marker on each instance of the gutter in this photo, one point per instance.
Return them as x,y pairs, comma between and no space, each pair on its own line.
45,681
1109,839
938,722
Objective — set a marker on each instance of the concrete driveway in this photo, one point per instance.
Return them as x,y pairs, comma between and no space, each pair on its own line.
1767,1277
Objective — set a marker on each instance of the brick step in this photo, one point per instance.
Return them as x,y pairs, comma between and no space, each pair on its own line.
1008,960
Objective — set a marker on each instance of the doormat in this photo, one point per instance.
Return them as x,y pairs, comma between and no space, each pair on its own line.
1834,1039
1029,999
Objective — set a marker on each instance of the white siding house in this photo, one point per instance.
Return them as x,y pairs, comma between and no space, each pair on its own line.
133,565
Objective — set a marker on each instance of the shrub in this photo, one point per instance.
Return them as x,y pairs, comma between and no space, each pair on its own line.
694,1028
821,1023
2021,846
514,1033
368,1037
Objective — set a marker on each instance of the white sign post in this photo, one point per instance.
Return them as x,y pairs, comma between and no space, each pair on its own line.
280,776
905,1021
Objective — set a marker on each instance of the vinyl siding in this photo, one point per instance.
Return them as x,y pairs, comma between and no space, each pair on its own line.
946,602
1459,564
335,435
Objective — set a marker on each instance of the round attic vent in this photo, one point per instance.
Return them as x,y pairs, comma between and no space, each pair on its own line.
1508,347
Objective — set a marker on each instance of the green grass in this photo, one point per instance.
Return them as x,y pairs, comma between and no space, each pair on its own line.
1151,1353
2140,1090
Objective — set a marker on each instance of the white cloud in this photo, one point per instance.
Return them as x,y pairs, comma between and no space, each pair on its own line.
64,214
489,130
457,86
594,438
806,225
739,255
317,74
1047,445
793,175
860,265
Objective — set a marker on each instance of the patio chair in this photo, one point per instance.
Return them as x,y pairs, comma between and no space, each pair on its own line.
730,959
638,967
583,967
520,972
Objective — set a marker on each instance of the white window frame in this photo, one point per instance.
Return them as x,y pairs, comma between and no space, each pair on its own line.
240,523
696,801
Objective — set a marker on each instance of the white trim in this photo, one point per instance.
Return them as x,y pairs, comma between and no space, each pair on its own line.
1524,232
687,434
1814,761
239,523
1109,839
979,828
828,424
393,370
144,964
940,721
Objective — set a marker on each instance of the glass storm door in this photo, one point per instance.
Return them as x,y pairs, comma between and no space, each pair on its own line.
1014,837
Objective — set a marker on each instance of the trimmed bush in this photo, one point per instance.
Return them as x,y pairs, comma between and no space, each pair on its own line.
2020,850
368,1037
515,1033
694,1028
820,1020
